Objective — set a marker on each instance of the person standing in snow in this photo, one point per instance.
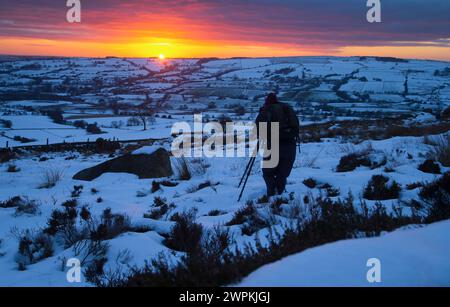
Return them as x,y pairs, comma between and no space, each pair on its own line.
289,128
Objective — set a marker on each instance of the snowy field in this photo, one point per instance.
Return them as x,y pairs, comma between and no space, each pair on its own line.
102,90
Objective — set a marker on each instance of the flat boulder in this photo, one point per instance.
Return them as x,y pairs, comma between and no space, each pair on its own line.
147,162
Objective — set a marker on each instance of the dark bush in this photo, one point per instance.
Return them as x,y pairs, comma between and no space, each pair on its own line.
445,115
249,219
6,123
56,116
186,234
263,199
95,270
12,168
414,185
76,192
12,202
105,146
183,170
441,150
27,206
22,139
351,162
240,110
160,208
63,223
388,169
241,215
80,124
310,183
85,214
111,226
276,203
215,212
202,266
330,190
6,155
157,213
71,203
158,201
93,129
212,263
429,166
156,186
33,248
378,189
167,183
437,197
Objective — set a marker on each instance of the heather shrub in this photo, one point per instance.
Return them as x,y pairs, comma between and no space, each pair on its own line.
379,188
186,234
436,196
429,166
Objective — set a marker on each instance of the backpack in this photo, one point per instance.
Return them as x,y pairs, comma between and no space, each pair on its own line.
285,115
291,128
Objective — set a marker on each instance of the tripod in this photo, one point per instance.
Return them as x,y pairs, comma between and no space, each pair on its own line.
247,172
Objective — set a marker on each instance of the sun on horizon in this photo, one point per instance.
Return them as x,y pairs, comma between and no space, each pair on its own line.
162,57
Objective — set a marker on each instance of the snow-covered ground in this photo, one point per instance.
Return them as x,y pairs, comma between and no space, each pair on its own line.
95,90
125,193
414,257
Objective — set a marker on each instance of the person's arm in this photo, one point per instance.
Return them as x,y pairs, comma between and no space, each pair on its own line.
259,119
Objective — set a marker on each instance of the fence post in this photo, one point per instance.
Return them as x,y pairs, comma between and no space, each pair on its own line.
47,141
7,144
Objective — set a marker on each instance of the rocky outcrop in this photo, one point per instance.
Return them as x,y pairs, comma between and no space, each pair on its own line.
154,165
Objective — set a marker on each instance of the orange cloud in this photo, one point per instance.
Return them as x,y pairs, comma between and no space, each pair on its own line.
198,28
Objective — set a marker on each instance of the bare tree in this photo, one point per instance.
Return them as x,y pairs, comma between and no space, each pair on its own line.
145,111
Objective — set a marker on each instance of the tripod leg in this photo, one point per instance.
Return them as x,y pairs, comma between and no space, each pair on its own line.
246,179
248,165
245,172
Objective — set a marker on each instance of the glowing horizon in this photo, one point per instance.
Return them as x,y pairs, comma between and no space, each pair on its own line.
199,29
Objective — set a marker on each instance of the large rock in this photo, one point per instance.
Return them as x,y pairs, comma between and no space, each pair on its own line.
145,165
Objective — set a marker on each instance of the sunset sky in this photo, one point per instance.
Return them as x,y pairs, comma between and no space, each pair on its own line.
226,28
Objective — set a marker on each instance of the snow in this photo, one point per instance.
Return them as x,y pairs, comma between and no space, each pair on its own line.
119,192
33,122
146,150
412,257
176,83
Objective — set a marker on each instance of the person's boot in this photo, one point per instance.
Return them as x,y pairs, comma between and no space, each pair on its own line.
271,191
271,184
281,186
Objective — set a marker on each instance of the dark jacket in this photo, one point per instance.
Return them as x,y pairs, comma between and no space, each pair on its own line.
285,116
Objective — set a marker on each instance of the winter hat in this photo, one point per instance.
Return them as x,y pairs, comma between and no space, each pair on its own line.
271,99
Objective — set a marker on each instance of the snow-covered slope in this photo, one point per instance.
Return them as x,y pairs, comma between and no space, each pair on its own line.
411,257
